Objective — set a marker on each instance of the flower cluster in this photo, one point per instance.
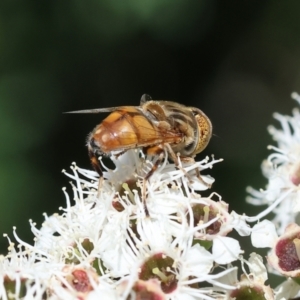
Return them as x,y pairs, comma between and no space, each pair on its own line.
168,237
282,169
107,245
282,196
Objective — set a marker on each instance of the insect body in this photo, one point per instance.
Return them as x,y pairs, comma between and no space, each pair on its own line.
155,126
158,127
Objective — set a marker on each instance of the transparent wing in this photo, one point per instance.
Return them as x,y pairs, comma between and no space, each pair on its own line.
99,110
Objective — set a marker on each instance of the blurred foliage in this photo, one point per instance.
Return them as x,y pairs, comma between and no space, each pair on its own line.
237,60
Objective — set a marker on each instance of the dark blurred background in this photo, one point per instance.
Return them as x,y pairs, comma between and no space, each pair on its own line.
236,60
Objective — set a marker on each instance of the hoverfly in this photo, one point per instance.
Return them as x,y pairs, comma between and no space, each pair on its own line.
158,127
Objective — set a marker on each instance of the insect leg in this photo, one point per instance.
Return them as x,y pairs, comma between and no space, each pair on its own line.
190,160
157,151
160,153
175,158
95,162
96,165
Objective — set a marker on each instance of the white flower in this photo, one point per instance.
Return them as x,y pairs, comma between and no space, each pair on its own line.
282,169
106,245
289,289
264,234
251,285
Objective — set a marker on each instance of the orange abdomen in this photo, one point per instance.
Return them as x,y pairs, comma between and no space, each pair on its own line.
125,129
